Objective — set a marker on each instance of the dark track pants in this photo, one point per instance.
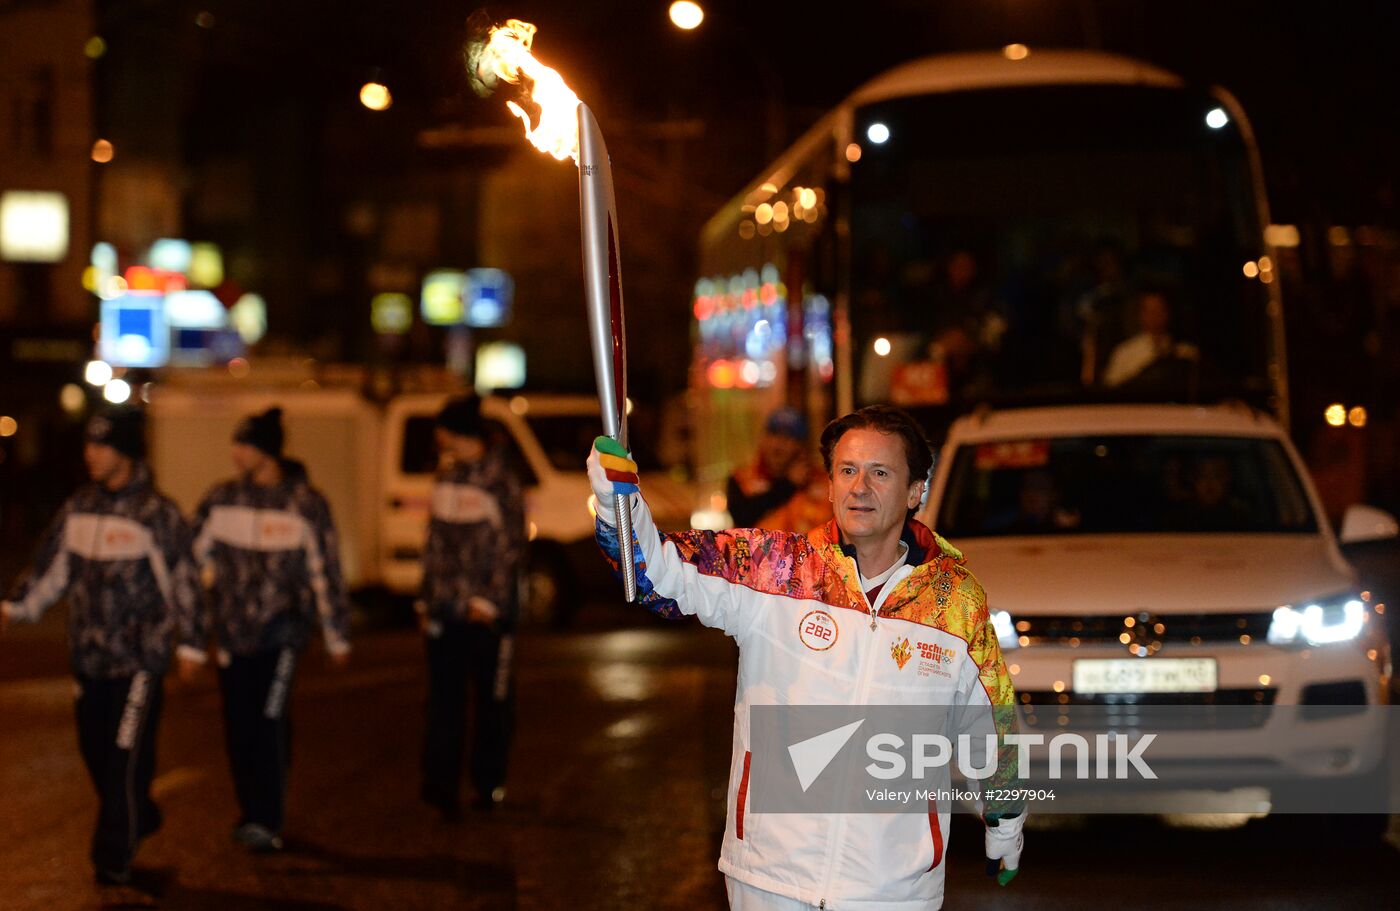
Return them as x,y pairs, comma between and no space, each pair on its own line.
117,721
475,657
258,732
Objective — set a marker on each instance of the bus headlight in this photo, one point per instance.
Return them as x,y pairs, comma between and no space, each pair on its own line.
1321,622
1006,630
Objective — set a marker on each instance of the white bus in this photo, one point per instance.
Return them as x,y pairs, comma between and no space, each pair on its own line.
977,229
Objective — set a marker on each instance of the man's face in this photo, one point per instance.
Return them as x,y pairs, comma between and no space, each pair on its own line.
1154,314
247,458
871,491
458,448
103,462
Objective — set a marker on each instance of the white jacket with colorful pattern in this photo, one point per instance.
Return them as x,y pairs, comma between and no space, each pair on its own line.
765,589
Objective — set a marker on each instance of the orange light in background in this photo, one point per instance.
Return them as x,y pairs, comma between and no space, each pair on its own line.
763,214
882,347
239,367
1015,52
686,15
1251,269
1266,264
8,426
507,55
780,211
853,152
746,229
720,374
807,197
95,47
1356,417
1335,415
376,96
102,151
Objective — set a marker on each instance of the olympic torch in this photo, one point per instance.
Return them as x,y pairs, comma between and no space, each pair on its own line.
562,126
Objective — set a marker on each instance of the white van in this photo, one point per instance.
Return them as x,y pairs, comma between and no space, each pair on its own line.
1170,554
551,435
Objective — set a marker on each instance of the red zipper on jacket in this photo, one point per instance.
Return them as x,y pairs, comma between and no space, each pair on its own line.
742,798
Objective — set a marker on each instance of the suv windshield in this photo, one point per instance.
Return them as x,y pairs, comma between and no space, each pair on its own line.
1123,484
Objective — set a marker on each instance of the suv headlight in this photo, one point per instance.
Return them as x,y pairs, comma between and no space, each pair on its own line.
1320,622
1006,630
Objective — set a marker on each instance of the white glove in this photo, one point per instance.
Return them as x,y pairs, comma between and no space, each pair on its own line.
624,480
1004,842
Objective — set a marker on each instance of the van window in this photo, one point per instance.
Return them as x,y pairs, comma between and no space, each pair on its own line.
419,453
1124,484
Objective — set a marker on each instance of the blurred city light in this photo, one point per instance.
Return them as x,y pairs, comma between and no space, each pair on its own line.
882,346
807,197
206,265
33,226
1335,415
1251,269
249,318
375,96
205,20
98,373
499,365
71,398
238,368
1338,236
1016,52
853,153
117,391
686,15
391,313
877,133
763,214
1357,416
8,426
171,254
1217,118
102,151
95,47
1282,235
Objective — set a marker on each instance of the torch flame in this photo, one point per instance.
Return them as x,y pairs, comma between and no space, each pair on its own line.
507,55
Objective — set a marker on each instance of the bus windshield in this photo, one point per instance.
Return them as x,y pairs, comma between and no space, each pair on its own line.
1055,243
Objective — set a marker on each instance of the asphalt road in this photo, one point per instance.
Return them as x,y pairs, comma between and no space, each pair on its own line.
615,800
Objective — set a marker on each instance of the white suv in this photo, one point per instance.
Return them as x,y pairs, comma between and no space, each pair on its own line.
1170,555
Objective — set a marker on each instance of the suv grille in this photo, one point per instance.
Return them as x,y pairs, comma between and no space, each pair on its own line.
1187,629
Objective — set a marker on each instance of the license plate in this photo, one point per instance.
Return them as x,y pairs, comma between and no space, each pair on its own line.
1145,675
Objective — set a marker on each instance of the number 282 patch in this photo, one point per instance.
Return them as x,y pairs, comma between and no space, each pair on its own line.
817,630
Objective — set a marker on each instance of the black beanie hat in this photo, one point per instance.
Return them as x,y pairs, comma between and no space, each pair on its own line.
262,431
461,416
123,429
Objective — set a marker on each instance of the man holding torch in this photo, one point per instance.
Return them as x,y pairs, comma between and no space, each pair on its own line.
811,614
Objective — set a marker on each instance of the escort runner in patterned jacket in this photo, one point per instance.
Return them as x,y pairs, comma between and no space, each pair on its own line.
119,552
469,607
268,542
814,629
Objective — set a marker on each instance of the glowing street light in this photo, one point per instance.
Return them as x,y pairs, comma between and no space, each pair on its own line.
686,15
375,96
877,133
117,392
1217,118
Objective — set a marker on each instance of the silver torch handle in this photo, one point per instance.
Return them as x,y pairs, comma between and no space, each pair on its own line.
602,281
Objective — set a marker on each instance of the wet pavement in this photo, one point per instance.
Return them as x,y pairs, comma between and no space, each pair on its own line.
615,800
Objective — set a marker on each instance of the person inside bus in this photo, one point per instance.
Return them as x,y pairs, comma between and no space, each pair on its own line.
779,470
1151,345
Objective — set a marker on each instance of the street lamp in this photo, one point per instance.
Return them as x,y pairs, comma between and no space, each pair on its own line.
686,14
375,96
